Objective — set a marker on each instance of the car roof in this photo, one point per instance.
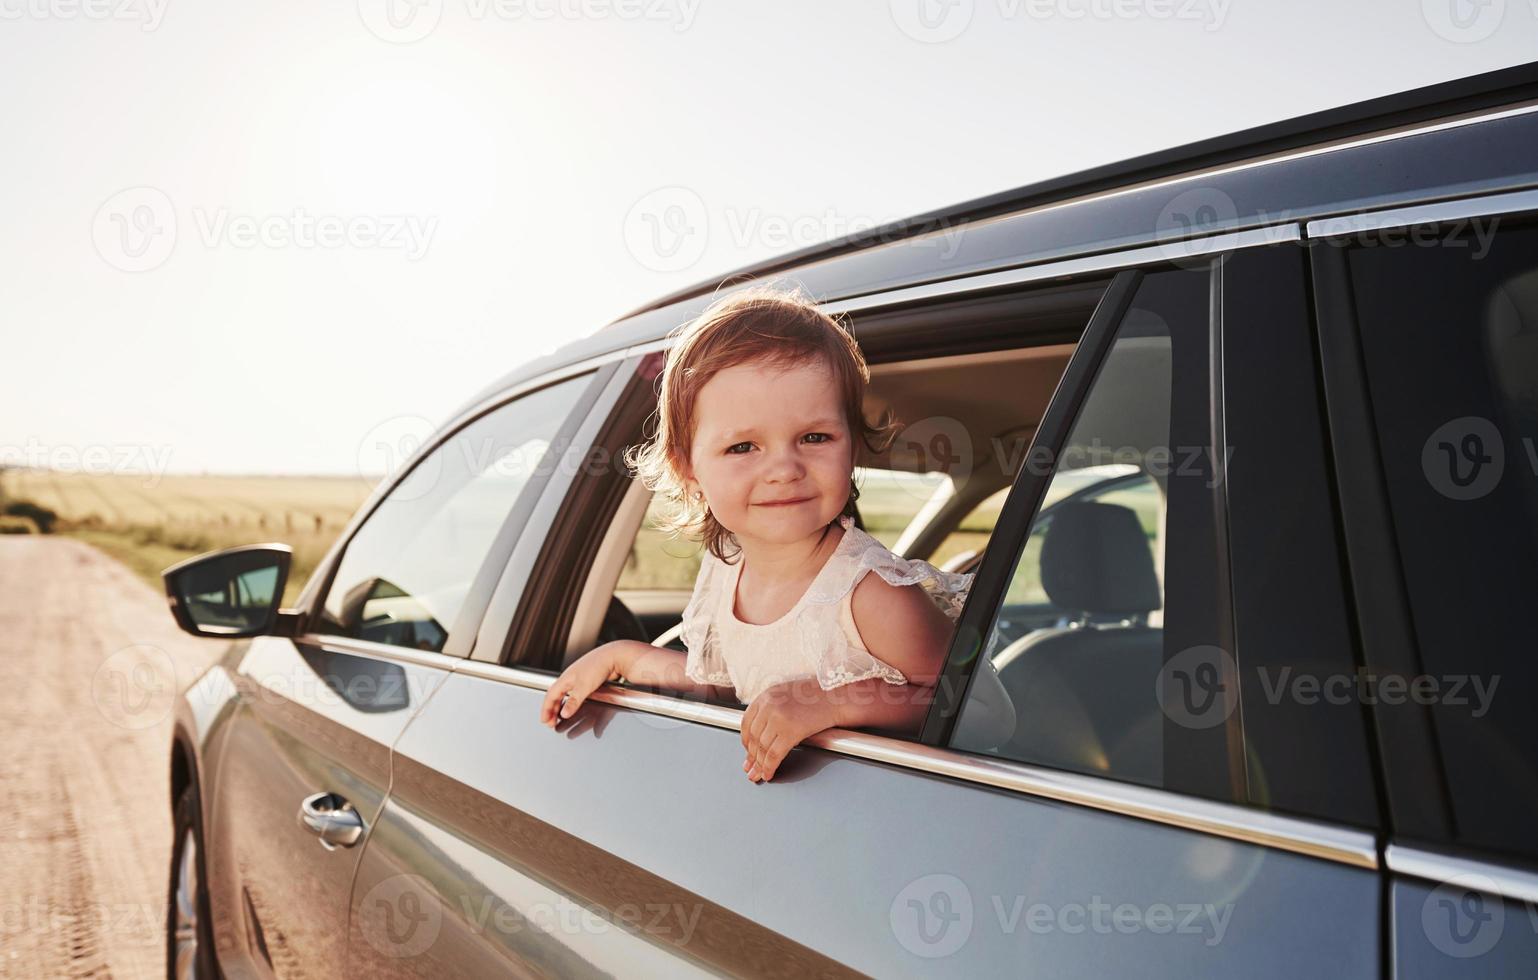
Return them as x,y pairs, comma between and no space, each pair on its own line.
1402,148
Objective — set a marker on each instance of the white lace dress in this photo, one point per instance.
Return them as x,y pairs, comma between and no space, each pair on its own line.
817,637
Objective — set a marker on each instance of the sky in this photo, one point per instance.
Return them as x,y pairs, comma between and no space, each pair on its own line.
250,238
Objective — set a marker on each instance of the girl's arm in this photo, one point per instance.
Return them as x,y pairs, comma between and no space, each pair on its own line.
642,663
875,703
631,660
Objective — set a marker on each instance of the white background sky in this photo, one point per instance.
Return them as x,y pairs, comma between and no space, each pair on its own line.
520,138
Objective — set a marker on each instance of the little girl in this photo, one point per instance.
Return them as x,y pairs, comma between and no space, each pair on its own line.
760,406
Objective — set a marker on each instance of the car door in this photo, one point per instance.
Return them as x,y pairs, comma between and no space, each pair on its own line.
631,841
304,765
1430,317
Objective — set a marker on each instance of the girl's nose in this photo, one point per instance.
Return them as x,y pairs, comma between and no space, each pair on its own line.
784,466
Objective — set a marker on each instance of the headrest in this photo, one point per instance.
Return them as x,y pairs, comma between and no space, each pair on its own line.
1095,559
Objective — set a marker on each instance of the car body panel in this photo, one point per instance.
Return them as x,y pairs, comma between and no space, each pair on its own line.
864,863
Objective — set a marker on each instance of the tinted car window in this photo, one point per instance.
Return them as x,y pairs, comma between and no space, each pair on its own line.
1117,585
1450,339
406,571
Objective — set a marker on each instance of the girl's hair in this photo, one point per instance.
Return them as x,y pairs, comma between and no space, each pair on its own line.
782,327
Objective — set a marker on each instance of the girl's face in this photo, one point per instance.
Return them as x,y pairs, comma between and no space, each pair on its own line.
767,433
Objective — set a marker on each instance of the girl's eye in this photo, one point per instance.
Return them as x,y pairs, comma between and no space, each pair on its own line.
819,437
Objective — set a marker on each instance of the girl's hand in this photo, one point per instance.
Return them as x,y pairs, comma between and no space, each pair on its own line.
780,719
576,682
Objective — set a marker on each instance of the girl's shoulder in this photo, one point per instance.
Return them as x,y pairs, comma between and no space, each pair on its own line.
859,552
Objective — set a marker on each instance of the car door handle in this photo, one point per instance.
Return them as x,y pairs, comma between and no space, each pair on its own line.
332,819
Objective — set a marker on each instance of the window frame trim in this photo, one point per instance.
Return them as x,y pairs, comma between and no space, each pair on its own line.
1409,757
459,641
1416,793
1021,504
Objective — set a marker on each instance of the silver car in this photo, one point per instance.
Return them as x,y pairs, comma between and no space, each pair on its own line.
1239,440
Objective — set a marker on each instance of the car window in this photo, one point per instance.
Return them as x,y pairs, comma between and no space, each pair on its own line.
405,573
1086,625
891,499
971,535
658,560
1449,335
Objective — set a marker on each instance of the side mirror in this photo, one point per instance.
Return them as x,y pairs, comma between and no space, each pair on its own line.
232,593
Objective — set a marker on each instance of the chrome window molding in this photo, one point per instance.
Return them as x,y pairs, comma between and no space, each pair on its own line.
1511,883
1424,214
1341,845
1284,156
1174,250
381,651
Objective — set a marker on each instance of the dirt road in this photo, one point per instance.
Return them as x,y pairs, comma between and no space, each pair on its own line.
90,663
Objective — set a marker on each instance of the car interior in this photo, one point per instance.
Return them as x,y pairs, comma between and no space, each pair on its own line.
1085,600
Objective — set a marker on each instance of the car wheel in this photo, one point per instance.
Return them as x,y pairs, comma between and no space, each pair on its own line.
189,935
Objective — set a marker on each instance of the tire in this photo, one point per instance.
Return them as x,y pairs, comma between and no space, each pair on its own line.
189,930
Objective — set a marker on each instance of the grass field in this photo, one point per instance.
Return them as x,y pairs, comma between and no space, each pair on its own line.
150,523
